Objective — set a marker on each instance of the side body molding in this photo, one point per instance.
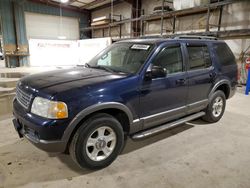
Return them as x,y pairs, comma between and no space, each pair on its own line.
92,109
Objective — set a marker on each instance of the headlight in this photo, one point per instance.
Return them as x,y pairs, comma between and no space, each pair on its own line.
49,109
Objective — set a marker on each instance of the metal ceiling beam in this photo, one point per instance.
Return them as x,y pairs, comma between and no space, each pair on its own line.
99,4
84,8
64,6
115,2
92,4
73,1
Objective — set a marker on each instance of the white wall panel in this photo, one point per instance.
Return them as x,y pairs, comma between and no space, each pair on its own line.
64,52
53,52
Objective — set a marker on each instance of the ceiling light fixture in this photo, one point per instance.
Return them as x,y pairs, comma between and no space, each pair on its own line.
64,1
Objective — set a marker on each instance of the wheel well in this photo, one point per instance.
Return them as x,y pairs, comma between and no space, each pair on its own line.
120,115
225,88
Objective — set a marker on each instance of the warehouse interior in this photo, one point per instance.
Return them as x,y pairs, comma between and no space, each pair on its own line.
43,35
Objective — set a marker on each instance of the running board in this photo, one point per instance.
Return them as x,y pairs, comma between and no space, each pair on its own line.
167,126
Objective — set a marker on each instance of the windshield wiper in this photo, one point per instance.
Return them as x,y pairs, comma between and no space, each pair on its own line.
102,67
105,68
84,65
87,65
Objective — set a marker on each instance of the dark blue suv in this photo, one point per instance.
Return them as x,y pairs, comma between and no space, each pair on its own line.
133,88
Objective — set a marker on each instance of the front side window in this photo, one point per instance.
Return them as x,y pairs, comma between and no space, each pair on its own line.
123,57
199,57
170,59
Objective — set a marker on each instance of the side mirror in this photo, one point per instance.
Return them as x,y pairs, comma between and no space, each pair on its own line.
155,72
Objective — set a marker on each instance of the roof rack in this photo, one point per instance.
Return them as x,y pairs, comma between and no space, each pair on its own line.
151,37
194,37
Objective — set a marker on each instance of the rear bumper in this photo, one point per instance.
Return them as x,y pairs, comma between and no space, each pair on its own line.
232,91
46,145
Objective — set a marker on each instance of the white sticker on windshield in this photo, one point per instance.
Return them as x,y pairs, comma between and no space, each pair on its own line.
140,47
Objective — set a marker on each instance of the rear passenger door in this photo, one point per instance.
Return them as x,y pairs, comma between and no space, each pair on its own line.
199,75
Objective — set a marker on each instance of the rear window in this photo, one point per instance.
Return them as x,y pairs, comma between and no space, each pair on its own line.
224,54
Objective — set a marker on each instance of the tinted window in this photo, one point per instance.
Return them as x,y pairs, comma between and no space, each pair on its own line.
224,54
199,57
170,59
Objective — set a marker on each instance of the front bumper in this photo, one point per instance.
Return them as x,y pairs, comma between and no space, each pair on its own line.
36,133
49,146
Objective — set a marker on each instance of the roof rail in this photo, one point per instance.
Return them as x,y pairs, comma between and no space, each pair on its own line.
151,37
194,37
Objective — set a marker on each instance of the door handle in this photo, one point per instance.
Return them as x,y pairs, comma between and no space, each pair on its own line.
181,81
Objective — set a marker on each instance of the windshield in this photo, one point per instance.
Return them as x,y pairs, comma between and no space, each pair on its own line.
122,57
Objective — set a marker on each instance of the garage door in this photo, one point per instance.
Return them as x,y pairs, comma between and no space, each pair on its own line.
40,26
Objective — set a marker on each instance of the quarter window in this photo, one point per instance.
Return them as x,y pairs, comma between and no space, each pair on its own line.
170,59
224,54
199,57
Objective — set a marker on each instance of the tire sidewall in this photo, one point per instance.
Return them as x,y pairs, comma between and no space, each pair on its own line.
84,133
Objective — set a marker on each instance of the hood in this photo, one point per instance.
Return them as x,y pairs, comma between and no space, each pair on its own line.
82,76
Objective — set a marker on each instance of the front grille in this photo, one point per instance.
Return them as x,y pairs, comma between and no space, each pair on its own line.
23,98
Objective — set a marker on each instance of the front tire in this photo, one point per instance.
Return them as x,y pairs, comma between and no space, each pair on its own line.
97,142
216,107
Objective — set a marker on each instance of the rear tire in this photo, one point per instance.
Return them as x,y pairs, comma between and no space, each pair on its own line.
97,142
216,107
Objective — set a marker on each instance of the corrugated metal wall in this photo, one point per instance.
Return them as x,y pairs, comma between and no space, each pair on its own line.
7,21
19,7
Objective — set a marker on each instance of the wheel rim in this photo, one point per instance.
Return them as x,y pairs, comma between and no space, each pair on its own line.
217,106
101,143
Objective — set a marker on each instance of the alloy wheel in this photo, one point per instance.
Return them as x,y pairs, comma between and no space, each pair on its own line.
101,143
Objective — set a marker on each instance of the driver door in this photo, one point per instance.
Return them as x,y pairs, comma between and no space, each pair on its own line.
163,99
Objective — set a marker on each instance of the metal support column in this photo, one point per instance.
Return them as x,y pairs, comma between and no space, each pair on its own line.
220,17
109,25
120,27
142,24
174,18
162,12
16,28
208,17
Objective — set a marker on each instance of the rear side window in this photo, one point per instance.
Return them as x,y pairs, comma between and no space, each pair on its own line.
224,54
199,57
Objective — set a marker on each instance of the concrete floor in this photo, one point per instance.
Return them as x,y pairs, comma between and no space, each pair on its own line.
196,155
